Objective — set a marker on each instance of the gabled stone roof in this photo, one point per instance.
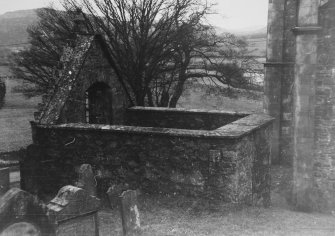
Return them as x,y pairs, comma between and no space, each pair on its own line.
69,75
73,61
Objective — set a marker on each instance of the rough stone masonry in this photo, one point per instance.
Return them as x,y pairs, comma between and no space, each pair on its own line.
87,119
299,93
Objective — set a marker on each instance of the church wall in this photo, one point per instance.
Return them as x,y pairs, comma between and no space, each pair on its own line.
301,78
287,81
279,76
324,161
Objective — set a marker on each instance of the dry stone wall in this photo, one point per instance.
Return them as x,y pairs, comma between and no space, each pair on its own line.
230,163
179,118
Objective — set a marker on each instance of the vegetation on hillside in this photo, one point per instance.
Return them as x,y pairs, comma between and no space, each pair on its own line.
13,32
13,26
156,46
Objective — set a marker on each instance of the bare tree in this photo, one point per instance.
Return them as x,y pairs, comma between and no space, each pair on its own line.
155,46
40,62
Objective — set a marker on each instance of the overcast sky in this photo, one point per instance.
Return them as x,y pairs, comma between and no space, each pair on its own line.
232,14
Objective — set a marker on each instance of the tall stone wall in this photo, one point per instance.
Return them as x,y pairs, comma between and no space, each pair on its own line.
289,49
324,160
279,76
304,105
302,100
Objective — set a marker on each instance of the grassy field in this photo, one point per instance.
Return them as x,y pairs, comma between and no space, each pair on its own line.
257,46
217,99
186,216
18,110
166,220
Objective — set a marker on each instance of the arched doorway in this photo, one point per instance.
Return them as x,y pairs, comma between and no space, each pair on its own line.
99,108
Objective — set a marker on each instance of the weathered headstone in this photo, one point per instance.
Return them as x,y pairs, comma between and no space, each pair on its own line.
114,193
129,212
74,212
23,214
4,180
87,179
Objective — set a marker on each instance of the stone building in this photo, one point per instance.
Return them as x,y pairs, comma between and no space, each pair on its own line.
88,90
87,119
299,93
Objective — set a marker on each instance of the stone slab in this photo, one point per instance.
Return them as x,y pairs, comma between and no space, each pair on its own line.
83,226
21,212
72,202
130,215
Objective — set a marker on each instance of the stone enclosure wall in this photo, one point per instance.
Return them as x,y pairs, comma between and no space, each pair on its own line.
230,163
180,118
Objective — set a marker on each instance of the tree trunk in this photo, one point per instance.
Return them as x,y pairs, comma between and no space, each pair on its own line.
150,100
177,93
164,101
181,81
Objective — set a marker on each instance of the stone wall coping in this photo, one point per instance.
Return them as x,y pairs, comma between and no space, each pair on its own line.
236,129
184,110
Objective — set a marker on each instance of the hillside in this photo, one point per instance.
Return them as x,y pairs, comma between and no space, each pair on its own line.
256,39
13,31
13,26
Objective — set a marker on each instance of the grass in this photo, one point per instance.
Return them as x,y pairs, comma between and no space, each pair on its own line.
15,116
175,215
214,98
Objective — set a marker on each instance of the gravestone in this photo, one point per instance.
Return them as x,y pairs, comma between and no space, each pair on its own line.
4,181
21,213
74,212
114,193
129,212
86,179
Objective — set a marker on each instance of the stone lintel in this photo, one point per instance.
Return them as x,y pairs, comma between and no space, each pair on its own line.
306,30
278,64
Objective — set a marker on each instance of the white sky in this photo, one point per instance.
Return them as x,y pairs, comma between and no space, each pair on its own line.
232,14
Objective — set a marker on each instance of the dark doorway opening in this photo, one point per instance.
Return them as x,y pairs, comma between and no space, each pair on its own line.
99,108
